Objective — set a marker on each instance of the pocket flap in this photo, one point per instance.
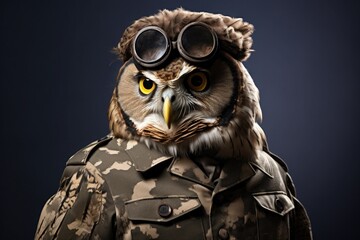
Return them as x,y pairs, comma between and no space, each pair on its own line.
160,209
278,203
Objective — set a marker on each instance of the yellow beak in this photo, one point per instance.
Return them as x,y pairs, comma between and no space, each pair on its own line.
167,111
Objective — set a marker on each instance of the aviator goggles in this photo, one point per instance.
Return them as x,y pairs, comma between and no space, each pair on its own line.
196,42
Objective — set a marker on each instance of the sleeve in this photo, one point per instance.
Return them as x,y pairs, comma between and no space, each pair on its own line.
300,226
81,209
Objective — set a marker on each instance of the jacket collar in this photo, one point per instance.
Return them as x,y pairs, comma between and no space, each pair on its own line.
233,172
236,171
188,169
144,158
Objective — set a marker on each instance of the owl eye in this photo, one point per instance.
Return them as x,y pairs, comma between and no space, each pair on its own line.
197,82
146,86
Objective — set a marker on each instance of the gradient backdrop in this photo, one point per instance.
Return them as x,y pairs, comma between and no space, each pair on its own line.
58,72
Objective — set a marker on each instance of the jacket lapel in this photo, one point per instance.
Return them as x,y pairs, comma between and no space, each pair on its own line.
144,158
186,168
234,172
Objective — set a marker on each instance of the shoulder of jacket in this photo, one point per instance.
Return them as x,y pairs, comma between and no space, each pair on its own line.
285,174
269,163
83,155
288,180
278,160
79,159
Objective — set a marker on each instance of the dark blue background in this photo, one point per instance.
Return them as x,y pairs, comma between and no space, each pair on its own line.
58,72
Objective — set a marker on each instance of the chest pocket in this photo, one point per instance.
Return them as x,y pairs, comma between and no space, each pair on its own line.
272,215
165,218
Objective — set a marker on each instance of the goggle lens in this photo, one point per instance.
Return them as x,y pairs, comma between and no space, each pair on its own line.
197,42
150,46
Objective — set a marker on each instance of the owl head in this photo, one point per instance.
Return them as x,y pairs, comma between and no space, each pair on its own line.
183,88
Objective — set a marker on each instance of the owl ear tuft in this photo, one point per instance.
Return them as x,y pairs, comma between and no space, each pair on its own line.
237,38
234,34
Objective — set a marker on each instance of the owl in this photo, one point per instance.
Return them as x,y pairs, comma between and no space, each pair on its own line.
185,157
183,88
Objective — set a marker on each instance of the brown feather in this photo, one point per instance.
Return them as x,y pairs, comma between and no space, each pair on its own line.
116,121
186,130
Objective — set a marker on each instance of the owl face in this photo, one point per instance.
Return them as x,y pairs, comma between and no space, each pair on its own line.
164,101
182,106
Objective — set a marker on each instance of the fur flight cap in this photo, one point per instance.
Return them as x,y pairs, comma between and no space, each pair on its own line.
233,33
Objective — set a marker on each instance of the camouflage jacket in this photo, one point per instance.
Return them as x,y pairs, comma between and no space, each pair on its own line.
116,189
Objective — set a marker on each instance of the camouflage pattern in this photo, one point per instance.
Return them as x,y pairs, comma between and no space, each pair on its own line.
117,189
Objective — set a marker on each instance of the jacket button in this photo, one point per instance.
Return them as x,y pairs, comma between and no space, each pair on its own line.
223,234
164,210
279,205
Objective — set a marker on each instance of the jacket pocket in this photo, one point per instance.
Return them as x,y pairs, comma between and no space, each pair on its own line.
165,218
272,216
277,202
160,209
